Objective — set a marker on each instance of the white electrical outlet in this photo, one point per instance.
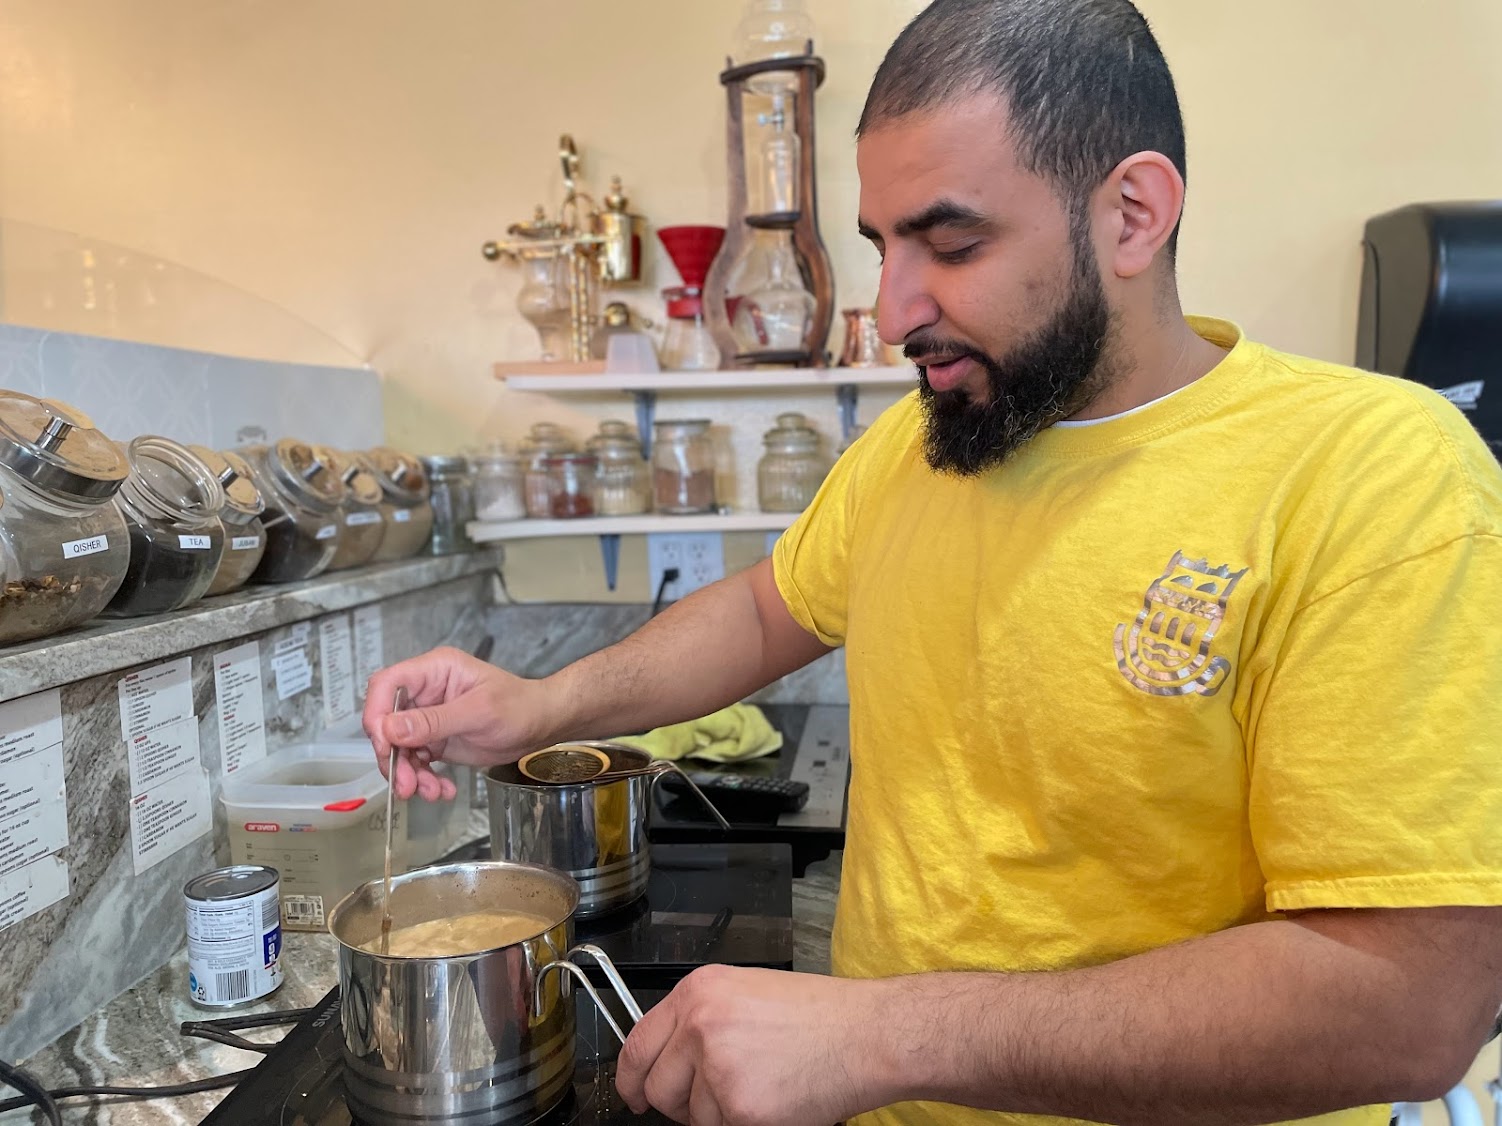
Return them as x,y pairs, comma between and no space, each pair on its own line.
698,556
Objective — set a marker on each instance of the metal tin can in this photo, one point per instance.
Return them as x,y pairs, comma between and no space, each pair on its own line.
234,936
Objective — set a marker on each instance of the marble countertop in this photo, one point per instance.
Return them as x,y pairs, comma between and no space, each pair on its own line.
106,645
134,1040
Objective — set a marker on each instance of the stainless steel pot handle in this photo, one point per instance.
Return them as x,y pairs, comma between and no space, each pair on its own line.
661,767
566,965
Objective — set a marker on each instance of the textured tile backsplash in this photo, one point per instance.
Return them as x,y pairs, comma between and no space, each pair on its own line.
219,401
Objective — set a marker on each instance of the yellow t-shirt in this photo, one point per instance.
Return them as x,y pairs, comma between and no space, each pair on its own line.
1235,653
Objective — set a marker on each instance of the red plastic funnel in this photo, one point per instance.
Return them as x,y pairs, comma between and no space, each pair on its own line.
692,249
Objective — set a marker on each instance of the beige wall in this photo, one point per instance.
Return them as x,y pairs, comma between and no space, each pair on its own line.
344,159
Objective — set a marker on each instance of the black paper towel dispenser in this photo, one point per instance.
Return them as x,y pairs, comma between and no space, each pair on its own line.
1431,304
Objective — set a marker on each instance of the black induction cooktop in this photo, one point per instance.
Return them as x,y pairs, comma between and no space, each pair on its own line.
301,1081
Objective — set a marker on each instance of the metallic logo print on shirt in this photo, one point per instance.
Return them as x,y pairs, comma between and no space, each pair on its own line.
1166,651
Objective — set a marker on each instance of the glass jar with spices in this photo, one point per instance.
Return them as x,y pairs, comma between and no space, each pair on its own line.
364,527
244,538
453,503
683,466
407,505
572,478
499,490
792,469
302,518
623,480
64,548
171,503
544,440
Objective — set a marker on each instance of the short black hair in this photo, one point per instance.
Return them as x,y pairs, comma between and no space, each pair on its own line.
1084,81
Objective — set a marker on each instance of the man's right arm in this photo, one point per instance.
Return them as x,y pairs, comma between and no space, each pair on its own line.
713,648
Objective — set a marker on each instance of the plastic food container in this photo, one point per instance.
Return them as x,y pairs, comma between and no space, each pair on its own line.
316,812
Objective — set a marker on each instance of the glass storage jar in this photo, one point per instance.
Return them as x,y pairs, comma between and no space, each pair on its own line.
572,479
303,497
244,538
610,430
63,544
544,440
792,469
453,503
499,493
407,506
171,503
364,527
623,480
682,466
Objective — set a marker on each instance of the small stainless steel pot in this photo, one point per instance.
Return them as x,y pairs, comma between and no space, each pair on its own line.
596,831
478,1038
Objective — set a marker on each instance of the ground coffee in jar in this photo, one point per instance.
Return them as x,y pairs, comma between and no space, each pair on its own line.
406,506
303,498
244,538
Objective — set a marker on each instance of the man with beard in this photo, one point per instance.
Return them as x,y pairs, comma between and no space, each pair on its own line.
1175,662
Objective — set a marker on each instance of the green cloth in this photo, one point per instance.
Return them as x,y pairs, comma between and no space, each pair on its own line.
731,734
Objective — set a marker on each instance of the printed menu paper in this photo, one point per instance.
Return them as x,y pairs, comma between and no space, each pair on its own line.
155,697
338,668
242,714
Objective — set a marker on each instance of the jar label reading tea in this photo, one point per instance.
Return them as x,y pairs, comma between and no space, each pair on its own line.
195,543
245,543
74,549
327,532
354,519
402,515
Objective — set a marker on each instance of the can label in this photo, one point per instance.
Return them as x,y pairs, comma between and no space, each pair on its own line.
401,516
234,948
244,543
327,532
355,519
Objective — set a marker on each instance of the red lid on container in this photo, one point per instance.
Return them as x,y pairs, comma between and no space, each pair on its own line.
692,249
685,302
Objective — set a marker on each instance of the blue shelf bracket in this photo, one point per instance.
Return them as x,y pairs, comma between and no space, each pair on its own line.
610,552
849,397
646,411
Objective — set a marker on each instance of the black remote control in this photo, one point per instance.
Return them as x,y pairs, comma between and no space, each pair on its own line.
740,796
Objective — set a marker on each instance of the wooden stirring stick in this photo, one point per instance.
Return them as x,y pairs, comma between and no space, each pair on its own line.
398,705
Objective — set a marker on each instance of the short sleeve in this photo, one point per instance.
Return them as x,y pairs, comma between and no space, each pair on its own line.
811,561
1376,753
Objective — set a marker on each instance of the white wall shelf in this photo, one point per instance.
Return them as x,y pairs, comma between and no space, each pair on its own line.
690,382
499,531
845,382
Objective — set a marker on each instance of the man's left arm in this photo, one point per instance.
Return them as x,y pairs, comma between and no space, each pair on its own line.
1262,1023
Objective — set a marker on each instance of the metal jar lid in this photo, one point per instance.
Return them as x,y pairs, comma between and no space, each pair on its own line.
242,499
400,474
362,484
56,448
442,465
295,467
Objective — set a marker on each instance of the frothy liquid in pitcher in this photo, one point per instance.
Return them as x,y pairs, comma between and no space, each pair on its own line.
463,934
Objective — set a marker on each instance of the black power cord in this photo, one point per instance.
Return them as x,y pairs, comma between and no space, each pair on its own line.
220,1031
669,575
32,1093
